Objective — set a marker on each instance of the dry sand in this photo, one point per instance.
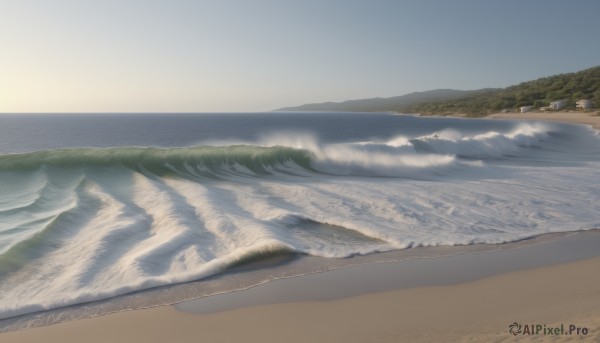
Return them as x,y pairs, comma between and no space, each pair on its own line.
589,118
478,311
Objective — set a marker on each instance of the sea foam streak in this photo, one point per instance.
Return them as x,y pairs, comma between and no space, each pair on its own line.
79,225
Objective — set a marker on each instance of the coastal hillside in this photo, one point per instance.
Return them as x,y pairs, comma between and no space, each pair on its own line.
387,104
538,93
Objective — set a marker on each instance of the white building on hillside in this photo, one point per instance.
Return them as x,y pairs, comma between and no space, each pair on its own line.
525,109
557,105
584,104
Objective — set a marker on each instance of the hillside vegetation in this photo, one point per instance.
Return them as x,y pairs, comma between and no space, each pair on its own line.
572,87
538,93
384,104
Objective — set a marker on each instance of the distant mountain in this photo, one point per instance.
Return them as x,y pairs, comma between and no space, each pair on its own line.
386,104
571,87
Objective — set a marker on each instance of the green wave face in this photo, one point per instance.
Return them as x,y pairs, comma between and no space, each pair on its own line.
206,161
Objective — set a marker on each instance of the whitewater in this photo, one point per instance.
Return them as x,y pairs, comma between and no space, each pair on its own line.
83,220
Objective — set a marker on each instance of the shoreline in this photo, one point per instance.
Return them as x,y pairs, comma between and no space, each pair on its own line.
479,311
382,276
585,118
575,117
349,286
254,274
274,268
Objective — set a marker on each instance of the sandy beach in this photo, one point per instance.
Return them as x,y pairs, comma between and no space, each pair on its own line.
586,118
476,311
477,308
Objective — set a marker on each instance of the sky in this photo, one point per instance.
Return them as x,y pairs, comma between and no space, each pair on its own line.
259,55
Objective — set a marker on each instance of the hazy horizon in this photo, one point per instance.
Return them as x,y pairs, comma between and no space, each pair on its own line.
232,56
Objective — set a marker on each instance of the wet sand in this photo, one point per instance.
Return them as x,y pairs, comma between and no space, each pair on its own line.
533,284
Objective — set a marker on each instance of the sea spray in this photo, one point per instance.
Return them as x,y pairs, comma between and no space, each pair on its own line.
85,224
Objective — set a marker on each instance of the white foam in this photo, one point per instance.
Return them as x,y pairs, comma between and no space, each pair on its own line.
490,144
114,230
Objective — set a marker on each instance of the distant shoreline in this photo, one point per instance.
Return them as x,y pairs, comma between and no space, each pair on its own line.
586,118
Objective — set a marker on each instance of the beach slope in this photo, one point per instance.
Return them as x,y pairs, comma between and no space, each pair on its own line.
481,310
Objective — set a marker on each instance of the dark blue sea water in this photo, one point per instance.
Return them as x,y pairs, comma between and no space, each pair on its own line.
21,133
95,206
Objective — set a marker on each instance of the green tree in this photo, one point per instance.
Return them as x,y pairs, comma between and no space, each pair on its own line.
540,103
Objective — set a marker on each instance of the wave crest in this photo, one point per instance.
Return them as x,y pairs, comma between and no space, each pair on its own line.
488,145
205,161
298,154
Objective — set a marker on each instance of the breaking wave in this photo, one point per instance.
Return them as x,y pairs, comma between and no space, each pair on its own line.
399,156
78,225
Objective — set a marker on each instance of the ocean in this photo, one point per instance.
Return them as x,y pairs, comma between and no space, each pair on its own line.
94,206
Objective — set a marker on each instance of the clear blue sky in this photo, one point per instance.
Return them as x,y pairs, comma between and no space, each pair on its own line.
179,55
